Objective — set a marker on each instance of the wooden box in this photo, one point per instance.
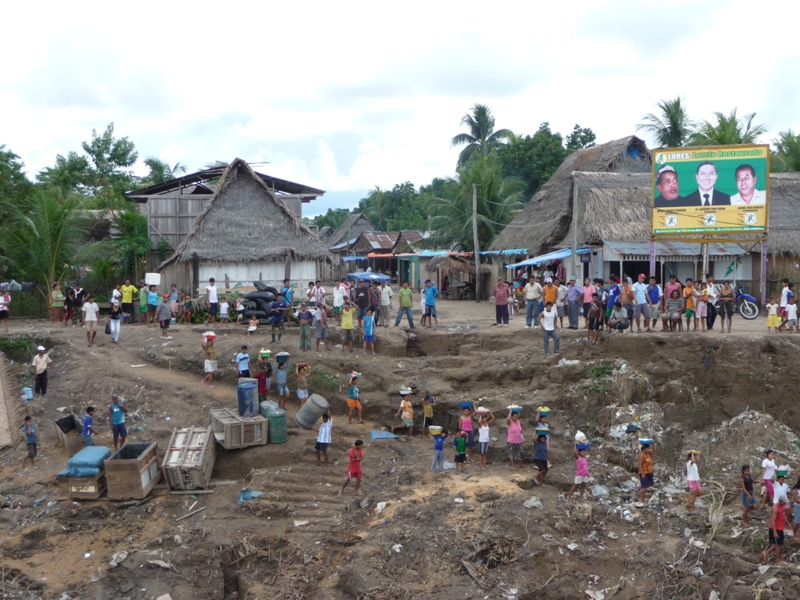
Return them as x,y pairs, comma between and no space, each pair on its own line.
233,432
69,431
132,471
189,459
87,488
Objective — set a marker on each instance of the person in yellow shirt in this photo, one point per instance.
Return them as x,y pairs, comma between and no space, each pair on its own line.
407,412
348,310
690,294
128,291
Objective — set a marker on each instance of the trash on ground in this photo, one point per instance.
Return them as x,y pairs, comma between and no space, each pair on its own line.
247,495
533,502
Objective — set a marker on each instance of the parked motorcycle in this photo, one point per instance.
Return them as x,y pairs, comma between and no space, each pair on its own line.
746,304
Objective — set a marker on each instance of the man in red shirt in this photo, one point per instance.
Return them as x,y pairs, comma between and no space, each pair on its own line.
356,455
501,294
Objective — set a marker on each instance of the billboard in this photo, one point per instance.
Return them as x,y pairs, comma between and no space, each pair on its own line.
713,190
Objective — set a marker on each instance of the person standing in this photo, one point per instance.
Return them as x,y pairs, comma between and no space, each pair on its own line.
116,416
40,364
406,296
406,413
369,331
777,523
243,363
438,451
213,302
324,438
339,294
547,323
561,301
287,292
641,307
143,303
356,455
713,296
174,301
467,427
533,294
31,440
646,471
501,293
386,303
88,427
278,311
654,295
128,291
302,373
430,293
210,365
319,293
574,300
768,468
348,313
514,444
692,480
57,305
5,307
375,300
595,319
362,301
727,305
152,305
164,316
320,325
626,297
89,312
114,320
305,318
588,290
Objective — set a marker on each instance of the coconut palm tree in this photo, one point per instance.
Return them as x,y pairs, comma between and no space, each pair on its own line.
374,208
482,138
728,130
670,128
451,216
161,171
787,152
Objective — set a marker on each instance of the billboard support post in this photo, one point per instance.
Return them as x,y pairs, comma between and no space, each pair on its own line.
653,259
575,228
705,261
764,257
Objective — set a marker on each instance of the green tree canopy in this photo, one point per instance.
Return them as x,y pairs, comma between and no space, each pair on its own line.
132,241
787,152
671,127
533,159
14,184
580,138
727,130
160,171
482,137
395,209
333,218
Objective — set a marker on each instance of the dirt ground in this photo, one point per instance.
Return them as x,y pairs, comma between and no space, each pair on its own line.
438,535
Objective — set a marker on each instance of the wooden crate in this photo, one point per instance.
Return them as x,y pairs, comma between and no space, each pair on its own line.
233,432
132,471
189,459
87,488
69,430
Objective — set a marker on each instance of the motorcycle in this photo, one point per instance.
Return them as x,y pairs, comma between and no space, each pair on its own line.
746,304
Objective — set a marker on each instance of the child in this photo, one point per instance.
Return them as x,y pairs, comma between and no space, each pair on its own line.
427,414
187,310
747,493
542,422
581,472
689,295
281,383
438,451
302,372
692,480
239,308
369,331
483,437
263,382
164,316
460,444
324,437
88,430
210,366
791,315
320,325
407,411
356,455
540,458
31,439
348,311
773,321
243,362
777,522
304,318
252,325
594,314
767,473
702,303
353,400
224,307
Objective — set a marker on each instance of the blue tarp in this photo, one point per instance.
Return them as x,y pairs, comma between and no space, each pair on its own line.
247,495
383,435
369,277
352,258
513,252
86,463
546,258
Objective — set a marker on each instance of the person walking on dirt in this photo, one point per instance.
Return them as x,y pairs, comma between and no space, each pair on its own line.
320,324
407,412
353,399
88,427
430,292
115,319
767,474
483,437
514,442
501,295
210,365
281,383
795,497
164,316
692,480
57,305
547,323
302,373
406,302
356,455
243,363
116,416
143,303
574,300
31,440
748,501
278,311
581,472
40,364
427,415
89,312
777,523
324,438
438,451
128,291
467,426
541,458
646,471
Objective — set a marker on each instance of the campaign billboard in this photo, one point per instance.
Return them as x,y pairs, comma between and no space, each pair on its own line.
710,190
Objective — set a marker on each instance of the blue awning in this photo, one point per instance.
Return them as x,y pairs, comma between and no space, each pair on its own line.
546,258
369,277
513,252
350,258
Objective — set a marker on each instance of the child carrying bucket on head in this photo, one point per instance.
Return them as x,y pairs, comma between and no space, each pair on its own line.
484,421
438,451
353,399
581,470
540,458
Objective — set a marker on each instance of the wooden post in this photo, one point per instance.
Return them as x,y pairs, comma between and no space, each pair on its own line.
575,228
764,250
652,259
476,246
195,273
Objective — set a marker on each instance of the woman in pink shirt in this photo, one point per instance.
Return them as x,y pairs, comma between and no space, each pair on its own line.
588,290
514,448
467,425
501,294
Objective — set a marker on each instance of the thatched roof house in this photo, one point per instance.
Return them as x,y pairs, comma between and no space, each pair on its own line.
244,234
347,232
545,222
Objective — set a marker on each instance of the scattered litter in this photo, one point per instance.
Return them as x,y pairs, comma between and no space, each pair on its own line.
89,554
137,366
568,363
160,563
61,408
379,507
533,502
247,495
714,595
763,569
599,490
397,548
300,523
117,558
572,547
612,536
383,435
771,581
459,500
39,501
164,597
448,465
697,572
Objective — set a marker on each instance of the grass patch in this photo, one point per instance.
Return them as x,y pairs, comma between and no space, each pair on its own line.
598,370
321,380
20,349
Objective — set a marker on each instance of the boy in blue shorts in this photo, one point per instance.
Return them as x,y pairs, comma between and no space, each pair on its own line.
369,331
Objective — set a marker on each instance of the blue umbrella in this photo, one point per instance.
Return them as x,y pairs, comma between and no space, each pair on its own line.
369,277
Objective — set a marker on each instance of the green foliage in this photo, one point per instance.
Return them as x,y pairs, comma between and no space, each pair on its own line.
132,241
482,137
14,185
99,174
604,368
580,138
20,349
402,207
322,380
104,274
163,250
451,216
49,239
672,127
535,158
728,129
333,218
160,171
786,156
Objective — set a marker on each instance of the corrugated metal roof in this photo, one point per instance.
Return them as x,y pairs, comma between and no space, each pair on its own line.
380,240
673,249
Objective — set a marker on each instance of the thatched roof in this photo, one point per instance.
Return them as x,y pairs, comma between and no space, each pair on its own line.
455,264
543,224
244,223
784,213
353,225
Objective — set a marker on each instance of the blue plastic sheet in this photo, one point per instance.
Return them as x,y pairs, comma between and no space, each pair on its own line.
247,495
86,463
383,435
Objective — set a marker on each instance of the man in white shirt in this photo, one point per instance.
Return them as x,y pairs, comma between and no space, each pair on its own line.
213,302
319,293
547,323
324,438
339,294
561,301
386,304
89,312
533,295
713,296
746,184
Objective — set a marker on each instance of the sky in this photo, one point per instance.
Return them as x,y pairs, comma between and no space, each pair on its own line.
348,96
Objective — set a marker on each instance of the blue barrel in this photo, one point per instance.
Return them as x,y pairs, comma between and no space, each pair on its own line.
248,399
276,431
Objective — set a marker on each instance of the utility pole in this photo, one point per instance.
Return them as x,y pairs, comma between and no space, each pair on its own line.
475,246
575,227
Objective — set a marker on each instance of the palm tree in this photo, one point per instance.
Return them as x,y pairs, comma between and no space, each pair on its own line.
787,152
728,130
671,128
482,138
374,207
49,239
498,196
161,171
